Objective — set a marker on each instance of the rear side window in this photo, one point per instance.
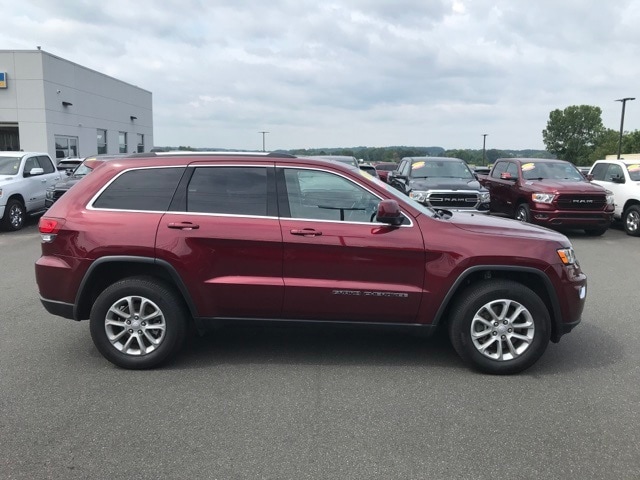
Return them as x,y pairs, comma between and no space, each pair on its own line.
228,190
149,189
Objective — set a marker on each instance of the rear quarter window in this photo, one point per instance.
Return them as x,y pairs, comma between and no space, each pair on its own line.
149,189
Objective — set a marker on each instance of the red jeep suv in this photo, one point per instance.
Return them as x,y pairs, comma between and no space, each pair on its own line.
145,247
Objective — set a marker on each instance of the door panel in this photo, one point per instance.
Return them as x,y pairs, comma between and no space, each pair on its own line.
338,263
227,245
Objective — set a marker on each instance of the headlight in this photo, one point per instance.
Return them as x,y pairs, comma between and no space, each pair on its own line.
609,198
567,256
418,196
542,197
485,197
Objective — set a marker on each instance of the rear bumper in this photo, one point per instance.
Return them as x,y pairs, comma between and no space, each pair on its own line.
60,309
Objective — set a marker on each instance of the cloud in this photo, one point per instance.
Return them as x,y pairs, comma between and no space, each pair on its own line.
355,72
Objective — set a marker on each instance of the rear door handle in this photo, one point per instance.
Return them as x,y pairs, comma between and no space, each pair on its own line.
306,232
183,226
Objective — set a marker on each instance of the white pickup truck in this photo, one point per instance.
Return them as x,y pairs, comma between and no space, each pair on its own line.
622,177
24,179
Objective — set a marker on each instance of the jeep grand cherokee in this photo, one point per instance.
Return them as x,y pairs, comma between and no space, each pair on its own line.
143,248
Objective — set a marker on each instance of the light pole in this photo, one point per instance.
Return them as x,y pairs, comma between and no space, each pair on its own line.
624,102
263,134
484,144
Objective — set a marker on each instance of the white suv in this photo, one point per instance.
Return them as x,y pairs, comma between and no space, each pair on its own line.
24,179
622,177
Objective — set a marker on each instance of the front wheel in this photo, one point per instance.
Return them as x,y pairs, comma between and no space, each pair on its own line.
138,323
523,213
631,220
499,326
14,215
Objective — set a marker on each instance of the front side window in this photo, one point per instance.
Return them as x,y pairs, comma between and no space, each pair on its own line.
228,190
318,195
46,165
122,141
102,141
149,189
498,169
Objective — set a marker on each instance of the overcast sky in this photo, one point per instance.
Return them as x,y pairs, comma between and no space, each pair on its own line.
353,72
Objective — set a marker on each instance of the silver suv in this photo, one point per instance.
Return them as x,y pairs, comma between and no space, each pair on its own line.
24,179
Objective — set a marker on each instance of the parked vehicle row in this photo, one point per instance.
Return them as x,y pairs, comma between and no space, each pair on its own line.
622,178
146,246
440,183
24,179
547,192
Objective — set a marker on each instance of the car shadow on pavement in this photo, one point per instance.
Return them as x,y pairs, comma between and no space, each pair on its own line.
318,344
587,347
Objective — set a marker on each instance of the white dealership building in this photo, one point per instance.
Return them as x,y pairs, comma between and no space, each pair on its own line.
49,104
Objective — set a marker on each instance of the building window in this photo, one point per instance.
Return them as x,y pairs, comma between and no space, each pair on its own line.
66,146
140,143
122,140
102,141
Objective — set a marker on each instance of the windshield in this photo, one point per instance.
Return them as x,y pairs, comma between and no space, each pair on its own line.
634,172
9,165
551,171
444,169
84,168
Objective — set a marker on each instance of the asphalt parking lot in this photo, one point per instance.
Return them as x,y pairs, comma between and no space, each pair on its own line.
321,403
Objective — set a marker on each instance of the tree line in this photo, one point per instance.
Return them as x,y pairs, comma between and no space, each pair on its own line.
577,134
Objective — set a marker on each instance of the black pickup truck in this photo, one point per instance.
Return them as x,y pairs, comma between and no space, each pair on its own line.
440,183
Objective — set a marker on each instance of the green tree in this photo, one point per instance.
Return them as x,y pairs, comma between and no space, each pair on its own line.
573,133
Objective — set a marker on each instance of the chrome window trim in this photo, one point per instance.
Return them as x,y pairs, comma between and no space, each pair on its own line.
90,206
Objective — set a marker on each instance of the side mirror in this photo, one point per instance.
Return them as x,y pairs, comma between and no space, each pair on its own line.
389,213
618,179
34,172
506,176
589,176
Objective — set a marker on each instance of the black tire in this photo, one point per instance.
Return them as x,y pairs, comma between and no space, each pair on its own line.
140,294
631,220
470,312
523,213
14,215
595,232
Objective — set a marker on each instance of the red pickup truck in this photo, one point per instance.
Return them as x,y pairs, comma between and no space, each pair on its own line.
552,193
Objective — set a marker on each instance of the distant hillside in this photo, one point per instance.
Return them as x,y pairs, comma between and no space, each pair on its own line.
394,153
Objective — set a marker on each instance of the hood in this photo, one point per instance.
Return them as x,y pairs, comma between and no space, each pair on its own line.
492,225
560,186
435,183
7,178
67,183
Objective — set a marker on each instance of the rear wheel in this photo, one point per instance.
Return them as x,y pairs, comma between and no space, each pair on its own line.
138,323
499,326
523,213
631,220
14,215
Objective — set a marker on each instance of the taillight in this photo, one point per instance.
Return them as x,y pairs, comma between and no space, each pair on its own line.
49,228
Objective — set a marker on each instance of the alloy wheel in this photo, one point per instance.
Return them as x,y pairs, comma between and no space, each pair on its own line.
135,325
502,330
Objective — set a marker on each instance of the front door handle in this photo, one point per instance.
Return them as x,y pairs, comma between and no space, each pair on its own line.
183,225
306,232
